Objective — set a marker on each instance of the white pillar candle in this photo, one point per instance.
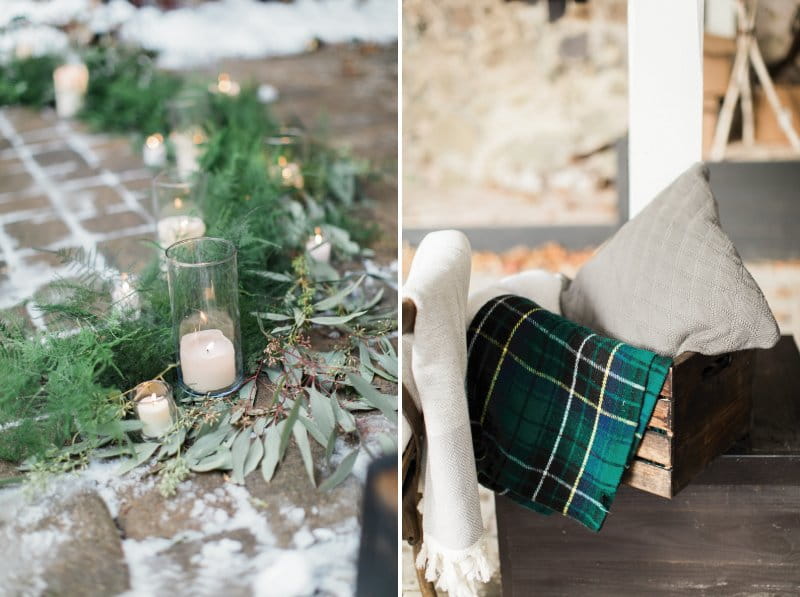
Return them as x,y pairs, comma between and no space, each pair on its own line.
71,82
154,152
208,361
174,228
318,247
155,415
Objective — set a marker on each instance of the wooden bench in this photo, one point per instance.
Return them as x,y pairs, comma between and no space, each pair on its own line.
735,529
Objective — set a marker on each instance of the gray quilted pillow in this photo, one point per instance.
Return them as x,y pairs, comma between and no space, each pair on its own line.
670,280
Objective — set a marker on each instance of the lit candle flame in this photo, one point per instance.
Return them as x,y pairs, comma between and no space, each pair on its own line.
282,161
224,83
153,141
198,137
178,203
318,235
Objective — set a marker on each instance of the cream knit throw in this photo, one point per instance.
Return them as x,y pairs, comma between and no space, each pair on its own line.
454,551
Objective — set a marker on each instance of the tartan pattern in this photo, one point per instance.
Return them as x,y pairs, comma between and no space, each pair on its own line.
557,411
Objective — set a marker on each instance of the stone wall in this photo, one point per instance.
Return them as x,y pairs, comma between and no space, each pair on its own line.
495,95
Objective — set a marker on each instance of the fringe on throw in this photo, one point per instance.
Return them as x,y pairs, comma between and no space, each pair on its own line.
457,571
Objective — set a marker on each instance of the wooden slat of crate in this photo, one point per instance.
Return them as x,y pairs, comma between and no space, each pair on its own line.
704,407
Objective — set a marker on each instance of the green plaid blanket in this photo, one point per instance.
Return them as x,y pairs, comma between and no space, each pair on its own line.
557,411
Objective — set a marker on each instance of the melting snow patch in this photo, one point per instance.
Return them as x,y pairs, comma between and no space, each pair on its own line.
250,29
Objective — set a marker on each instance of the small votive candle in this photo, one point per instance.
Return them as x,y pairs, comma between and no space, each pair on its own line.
171,229
71,82
318,248
225,85
285,153
154,152
291,175
155,408
126,300
187,149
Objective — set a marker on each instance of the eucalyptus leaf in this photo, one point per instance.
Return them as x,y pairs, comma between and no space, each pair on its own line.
380,372
301,438
341,473
207,444
274,316
253,457
322,271
330,446
357,405
383,402
247,391
314,430
293,368
344,418
237,414
287,430
364,362
322,411
272,443
221,460
143,453
239,451
374,300
173,443
112,452
334,358
260,425
336,319
275,276
335,299
112,428
386,361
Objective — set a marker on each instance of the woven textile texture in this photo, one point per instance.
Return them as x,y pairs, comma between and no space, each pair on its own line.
671,281
557,411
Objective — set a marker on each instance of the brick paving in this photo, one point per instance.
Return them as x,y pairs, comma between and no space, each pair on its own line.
63,187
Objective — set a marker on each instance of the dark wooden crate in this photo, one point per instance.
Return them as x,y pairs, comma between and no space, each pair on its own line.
704,407
734,530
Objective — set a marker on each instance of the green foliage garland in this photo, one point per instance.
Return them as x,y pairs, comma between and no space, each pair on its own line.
65,395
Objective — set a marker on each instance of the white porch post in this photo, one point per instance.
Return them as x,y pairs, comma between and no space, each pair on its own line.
665,94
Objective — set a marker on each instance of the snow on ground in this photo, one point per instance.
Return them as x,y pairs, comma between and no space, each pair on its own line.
238,28
321,560
24,509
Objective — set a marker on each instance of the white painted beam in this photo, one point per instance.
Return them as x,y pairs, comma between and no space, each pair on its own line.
665,94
